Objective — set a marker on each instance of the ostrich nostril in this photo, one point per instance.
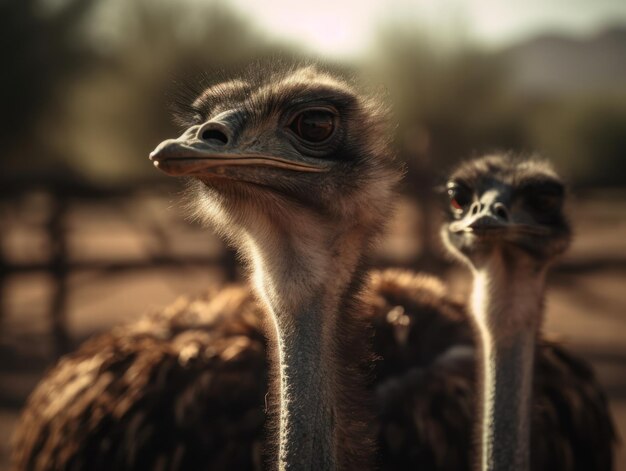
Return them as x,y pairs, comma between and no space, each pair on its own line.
475,208
214,136
500,210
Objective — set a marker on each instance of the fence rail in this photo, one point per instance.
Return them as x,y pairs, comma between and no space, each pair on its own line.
60,263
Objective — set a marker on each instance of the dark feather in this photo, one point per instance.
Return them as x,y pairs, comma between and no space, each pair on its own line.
186,390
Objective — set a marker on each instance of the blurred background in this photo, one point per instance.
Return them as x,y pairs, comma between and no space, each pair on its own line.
92,236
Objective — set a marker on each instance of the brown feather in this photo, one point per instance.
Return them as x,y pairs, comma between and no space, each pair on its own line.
186,389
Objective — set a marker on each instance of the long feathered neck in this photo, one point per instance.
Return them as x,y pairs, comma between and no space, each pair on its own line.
507,309
308,279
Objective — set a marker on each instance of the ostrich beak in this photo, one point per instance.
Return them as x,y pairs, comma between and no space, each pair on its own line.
482,223
495,220
193,157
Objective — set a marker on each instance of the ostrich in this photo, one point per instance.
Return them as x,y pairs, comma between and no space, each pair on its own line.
293,169
426,395
187,387
507,225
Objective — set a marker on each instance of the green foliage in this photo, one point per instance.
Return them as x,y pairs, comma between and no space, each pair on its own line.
40,49
586,138
85,85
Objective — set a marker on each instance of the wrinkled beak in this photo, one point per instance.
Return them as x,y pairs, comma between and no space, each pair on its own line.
189,156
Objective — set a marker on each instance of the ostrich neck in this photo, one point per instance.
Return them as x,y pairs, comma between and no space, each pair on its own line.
507,309
305,282
307,409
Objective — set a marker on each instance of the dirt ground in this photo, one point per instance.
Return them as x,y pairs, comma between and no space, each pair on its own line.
585,310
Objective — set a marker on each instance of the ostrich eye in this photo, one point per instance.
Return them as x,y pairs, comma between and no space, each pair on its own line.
315,125
460,197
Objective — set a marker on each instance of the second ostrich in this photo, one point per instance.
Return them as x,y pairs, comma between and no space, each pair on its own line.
507,225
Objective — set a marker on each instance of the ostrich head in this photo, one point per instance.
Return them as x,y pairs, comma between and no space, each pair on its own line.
506,203
284,152
294,169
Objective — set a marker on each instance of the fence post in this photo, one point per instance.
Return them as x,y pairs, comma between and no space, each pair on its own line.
59,268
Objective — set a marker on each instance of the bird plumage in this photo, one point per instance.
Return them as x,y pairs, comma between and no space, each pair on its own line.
181,389
186,388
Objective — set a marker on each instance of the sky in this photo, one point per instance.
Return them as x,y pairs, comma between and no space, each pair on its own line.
345,27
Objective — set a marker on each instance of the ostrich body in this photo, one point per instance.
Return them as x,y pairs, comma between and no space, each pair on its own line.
181,389
188,388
